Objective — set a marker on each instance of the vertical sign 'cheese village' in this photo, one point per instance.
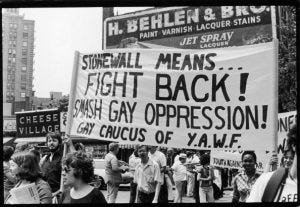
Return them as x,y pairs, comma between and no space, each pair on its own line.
191,27
37,123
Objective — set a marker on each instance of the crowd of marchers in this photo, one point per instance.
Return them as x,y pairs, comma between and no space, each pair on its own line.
153,173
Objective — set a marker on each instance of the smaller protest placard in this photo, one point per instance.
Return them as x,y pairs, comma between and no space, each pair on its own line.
26,194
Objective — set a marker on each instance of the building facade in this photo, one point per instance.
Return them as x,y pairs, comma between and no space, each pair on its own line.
18,53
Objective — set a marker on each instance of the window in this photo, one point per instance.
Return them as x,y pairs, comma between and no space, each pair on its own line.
23,78
25,27
10,42
13,51
24,52
24,68
24,44
9,51
23,94
11,25
23,86
25,35
15,26
24,61
14,43
14,60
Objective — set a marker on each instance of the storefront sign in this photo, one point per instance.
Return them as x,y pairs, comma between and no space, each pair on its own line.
37,123
191,27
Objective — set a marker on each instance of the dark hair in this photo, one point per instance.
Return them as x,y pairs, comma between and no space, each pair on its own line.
7,153
252,153
205,159
292,137
141,146
79,146
29,168
36,153
82,164
54,135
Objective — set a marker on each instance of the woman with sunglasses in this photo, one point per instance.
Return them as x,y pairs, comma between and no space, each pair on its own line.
25,167
243,182
77,172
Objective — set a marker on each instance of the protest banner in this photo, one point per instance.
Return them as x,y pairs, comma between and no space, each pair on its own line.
183,99
37,123
191,27
227,159
285,121
233,160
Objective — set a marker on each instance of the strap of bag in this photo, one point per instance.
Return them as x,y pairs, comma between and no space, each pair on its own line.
274,184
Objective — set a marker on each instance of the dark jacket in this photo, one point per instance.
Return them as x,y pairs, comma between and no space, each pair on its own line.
52,170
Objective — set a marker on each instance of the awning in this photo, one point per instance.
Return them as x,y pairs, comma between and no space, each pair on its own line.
31,139
6,139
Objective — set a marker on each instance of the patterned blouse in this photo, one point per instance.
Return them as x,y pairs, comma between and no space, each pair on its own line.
242,185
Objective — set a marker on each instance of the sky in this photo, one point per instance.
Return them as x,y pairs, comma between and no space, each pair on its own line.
59,32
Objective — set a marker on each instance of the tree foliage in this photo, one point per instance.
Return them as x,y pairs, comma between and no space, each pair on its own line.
287,82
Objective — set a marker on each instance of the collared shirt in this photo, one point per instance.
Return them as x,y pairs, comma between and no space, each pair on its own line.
179,171
112,161
242,185
160,159
133,162
146,176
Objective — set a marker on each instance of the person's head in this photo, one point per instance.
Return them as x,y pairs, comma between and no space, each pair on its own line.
25,166
22,147
143,151
114,148
205,159
79,146
287,158
182,157
7,153
152,149
53,140
249,160
37,154
189,154
170,152
77,167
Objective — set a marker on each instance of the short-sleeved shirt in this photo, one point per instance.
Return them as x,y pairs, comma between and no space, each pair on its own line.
289,192
95,196
146,176
179,171
160,159
243,185
112,176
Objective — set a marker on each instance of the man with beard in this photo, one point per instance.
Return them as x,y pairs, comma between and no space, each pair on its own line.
51,164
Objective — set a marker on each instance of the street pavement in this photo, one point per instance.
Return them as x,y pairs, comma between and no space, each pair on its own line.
124,194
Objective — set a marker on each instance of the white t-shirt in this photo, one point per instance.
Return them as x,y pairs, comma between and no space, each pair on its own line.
289,192
179,171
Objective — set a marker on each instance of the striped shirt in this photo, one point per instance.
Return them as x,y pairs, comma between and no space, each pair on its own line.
242,185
